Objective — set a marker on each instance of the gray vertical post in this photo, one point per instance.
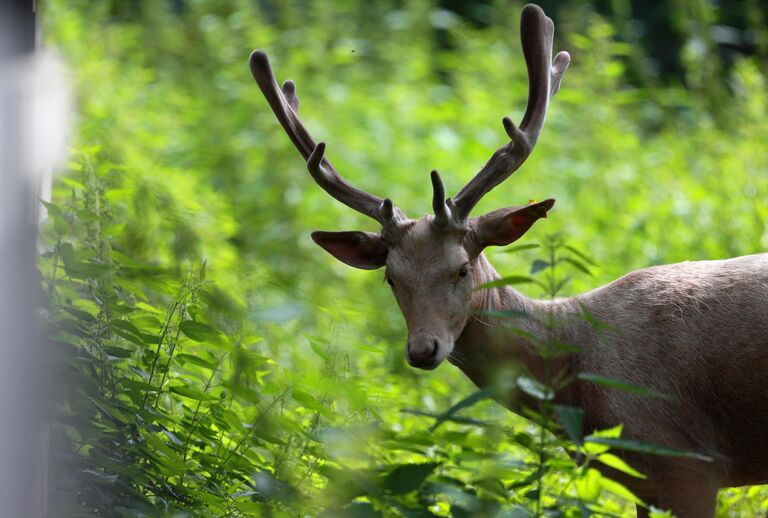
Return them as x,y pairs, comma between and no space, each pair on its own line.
22,378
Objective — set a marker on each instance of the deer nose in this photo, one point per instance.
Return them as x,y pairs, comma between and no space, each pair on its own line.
422,351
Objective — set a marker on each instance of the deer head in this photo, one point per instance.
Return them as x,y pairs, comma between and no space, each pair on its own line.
429,261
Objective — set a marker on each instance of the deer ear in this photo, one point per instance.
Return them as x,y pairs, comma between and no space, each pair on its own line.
504,226
363,250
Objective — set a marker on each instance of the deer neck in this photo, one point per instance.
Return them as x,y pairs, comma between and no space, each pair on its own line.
492,349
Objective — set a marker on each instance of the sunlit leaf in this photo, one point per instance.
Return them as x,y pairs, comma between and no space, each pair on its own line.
618,464
535,388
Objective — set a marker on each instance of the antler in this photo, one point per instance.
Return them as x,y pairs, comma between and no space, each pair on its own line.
285,105
544,76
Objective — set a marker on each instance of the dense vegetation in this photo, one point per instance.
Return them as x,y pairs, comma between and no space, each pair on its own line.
213,362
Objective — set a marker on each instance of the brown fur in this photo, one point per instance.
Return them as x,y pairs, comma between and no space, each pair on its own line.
695,331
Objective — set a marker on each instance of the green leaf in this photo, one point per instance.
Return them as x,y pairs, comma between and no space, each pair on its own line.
581,255
200,332
486,393
646,447
190,392
535,388
619,490
197,360
408,477
128,331
318,350
86,270
111,412
520,248
539,265
572,421
618,464
117,352
577,264
619,385
506,281
309,401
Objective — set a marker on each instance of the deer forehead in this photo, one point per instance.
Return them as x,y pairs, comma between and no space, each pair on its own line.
427,249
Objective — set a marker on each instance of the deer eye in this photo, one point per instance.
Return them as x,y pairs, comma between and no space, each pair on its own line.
389,281
463,271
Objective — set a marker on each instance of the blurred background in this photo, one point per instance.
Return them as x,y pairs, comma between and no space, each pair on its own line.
211,361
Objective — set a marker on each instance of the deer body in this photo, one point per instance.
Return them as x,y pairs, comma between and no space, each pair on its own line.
695,332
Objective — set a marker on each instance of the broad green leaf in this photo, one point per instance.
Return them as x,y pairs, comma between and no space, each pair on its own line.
190,392
408,477
200,332
197,360
539,265
572,420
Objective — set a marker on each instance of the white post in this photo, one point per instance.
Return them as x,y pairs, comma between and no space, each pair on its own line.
25,151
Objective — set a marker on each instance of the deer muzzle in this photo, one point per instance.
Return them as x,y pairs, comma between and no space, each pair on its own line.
425,350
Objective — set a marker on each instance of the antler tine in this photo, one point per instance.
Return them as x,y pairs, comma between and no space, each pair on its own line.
442,213
544,76
285,105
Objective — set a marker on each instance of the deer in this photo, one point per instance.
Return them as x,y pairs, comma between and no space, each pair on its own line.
696,331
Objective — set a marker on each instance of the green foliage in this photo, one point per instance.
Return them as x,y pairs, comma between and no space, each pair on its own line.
215,363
